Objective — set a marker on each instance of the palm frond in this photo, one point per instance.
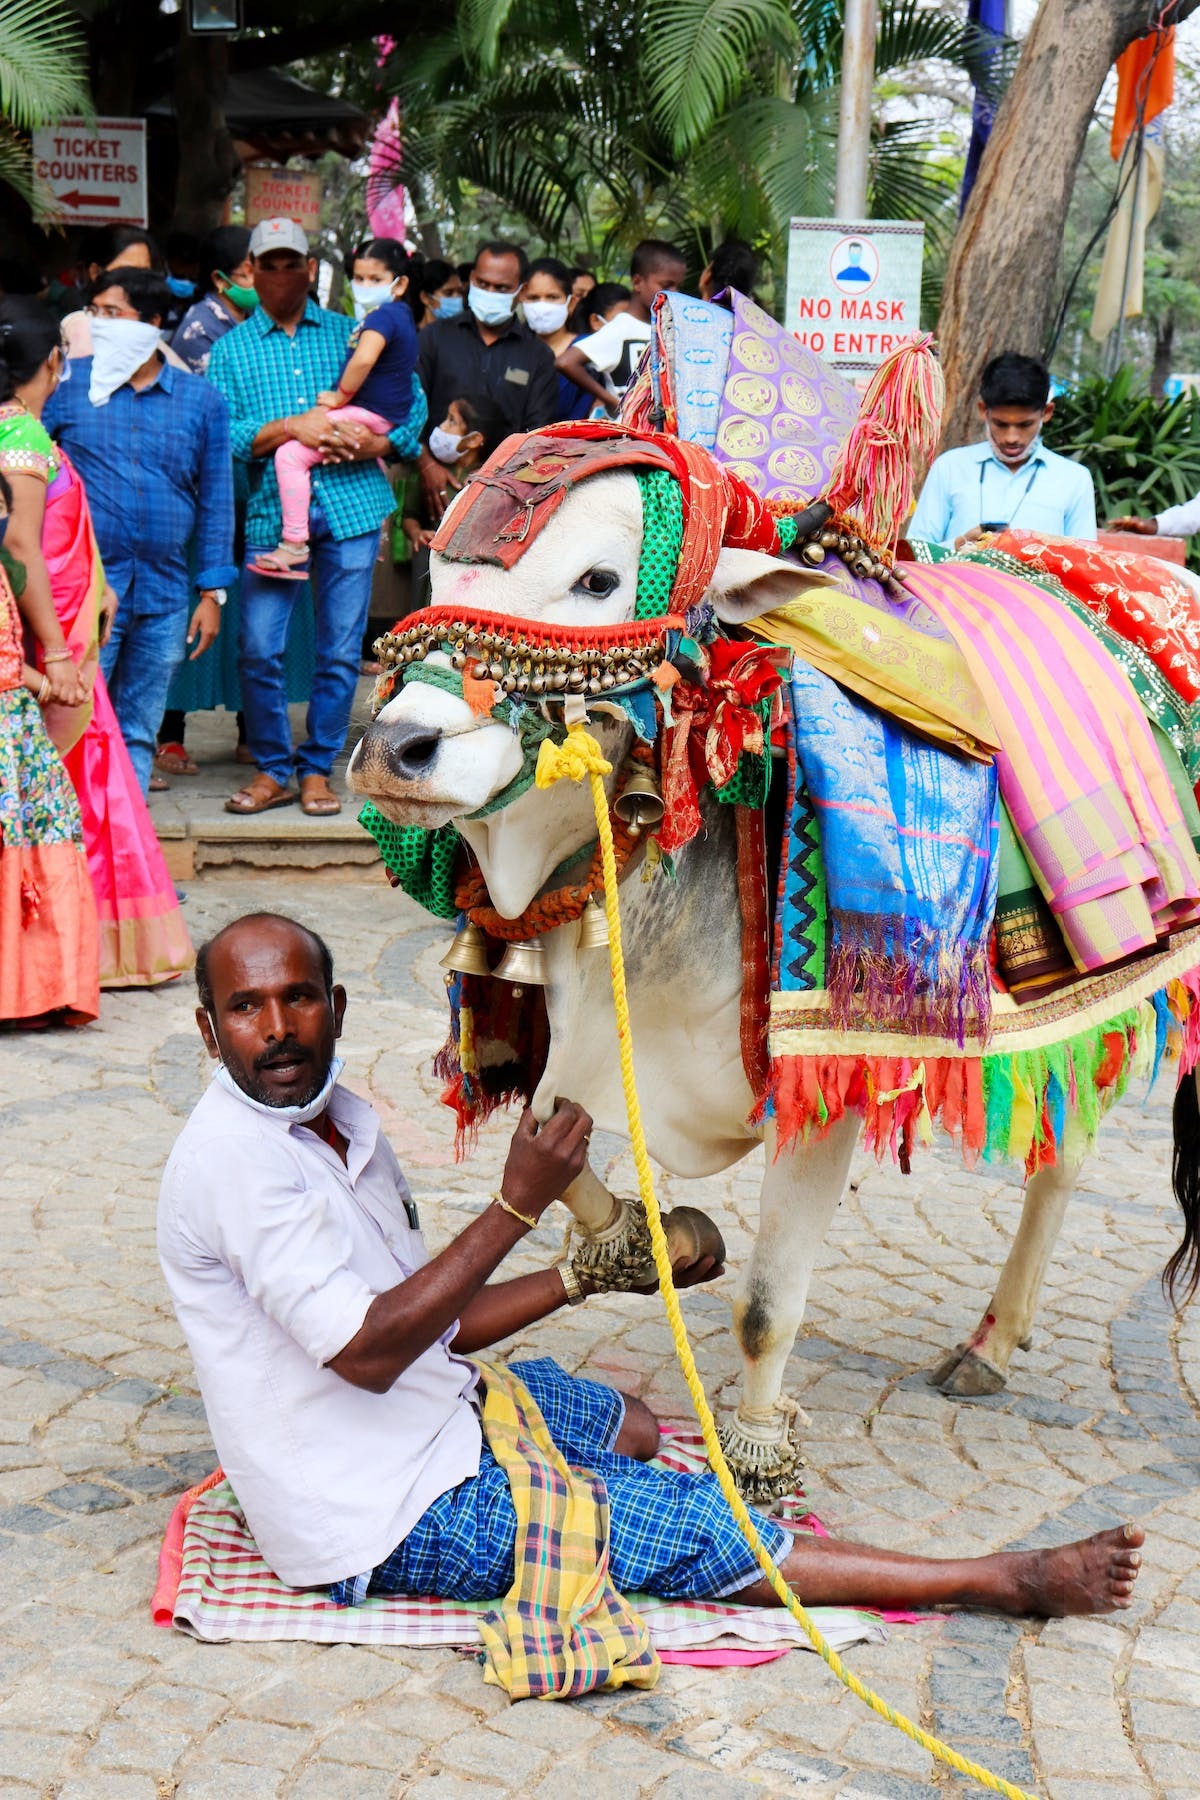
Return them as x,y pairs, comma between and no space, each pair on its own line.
910,176
697,54
42,63
793,149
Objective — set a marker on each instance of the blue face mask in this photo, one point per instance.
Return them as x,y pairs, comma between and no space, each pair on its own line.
3,526
182,290
448,307
490,309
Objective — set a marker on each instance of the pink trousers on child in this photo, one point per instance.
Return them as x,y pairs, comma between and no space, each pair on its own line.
293,465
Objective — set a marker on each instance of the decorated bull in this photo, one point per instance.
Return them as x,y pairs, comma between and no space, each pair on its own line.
896,849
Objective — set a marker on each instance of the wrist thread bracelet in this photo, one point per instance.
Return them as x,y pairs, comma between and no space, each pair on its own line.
499,1200
50,656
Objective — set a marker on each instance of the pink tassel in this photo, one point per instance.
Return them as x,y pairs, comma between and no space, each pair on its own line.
891,441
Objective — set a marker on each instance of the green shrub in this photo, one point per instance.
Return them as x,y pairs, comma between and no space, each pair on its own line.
1143,454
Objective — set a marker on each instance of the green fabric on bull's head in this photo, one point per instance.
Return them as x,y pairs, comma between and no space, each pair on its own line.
422,861
662,538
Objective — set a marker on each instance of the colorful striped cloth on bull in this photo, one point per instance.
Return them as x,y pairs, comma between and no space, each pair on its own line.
1079,771
1152,606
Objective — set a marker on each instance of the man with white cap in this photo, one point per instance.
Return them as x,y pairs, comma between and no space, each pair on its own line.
271,369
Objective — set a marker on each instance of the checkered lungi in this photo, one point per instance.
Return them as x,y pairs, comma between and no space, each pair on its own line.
671,1534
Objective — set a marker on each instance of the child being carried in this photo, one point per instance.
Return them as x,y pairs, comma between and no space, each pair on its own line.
375,389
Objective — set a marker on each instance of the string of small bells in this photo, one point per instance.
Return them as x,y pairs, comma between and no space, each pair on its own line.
640,806
520,667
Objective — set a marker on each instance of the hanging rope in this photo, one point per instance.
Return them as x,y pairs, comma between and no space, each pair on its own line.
581,755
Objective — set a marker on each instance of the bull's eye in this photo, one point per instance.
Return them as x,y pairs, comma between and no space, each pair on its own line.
598,583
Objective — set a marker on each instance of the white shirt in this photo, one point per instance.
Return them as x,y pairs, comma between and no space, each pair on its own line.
273,1250
971,486
1181,521
616,348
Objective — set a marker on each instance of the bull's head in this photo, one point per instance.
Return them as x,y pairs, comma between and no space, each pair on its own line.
428,758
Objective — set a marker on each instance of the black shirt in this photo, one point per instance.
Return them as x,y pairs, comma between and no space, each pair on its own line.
516,373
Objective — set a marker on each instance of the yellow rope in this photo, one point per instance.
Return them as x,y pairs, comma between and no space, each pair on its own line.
579,756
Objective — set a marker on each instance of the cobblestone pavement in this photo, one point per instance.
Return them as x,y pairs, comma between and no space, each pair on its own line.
100,1427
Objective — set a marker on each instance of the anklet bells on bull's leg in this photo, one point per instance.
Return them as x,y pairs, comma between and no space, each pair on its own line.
618,1258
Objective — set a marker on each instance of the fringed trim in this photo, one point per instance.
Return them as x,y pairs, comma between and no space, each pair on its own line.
1025,1106
901,975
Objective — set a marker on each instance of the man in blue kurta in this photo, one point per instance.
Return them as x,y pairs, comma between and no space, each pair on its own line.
151,444
270,370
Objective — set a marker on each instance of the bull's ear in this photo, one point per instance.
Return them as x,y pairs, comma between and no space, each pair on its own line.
745,584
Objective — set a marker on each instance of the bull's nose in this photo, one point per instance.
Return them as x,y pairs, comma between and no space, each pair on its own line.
405,750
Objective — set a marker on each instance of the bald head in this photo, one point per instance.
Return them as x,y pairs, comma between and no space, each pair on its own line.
262,928
269,1008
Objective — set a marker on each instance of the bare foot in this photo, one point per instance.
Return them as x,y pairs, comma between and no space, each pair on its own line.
1094,1575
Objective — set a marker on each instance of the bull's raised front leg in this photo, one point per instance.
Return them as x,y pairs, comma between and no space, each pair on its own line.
612,1244
980,1366
799,1193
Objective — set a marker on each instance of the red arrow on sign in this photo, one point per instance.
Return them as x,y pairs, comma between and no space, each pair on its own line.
75,198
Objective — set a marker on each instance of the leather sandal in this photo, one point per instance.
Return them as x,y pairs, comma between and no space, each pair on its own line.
316,797
260,795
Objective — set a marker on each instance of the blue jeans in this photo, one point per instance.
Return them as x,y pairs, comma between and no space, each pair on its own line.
342,574
138,661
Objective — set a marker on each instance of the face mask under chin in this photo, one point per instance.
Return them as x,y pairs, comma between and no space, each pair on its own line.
301,1113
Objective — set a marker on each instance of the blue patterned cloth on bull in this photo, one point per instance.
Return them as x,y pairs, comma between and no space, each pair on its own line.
690,352
909,836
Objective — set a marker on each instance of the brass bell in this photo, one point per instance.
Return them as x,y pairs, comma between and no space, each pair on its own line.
467,955
593,925
523,963
641,803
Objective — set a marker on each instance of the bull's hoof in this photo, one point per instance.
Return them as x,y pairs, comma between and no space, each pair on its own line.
972,1376
765,1464
691,1235
619,1259
944,1370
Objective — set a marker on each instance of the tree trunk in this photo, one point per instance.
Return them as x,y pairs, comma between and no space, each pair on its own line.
1003,276
208,163
1164,350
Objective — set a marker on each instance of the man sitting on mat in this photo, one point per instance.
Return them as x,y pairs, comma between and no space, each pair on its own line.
331,1348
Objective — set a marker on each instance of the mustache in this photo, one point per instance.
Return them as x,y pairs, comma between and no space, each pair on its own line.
288,1051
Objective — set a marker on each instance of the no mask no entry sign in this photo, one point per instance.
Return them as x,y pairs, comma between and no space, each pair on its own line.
854,287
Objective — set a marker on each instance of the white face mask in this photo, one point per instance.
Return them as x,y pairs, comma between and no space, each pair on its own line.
444,445
368,295
546,316
291,1115
119,348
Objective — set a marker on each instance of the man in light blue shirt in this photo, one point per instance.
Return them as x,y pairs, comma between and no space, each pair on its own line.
1010,478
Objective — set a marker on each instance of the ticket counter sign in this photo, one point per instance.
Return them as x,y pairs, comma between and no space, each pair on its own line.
854,288
92,171
276,193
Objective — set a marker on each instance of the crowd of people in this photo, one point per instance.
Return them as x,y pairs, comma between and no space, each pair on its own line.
203,467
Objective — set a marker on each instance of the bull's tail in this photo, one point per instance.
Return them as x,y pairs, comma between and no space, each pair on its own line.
1181,1277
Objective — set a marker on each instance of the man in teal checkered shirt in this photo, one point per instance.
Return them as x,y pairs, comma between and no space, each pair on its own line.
270,370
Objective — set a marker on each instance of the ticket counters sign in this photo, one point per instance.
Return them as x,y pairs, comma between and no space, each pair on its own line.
854,288
92,172
275,193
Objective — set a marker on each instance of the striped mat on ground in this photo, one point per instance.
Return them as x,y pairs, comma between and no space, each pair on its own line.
214,1585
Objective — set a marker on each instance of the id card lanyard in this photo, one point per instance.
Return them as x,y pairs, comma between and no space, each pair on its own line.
983,469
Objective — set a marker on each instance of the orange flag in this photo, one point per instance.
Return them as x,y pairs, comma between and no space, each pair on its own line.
1143,77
